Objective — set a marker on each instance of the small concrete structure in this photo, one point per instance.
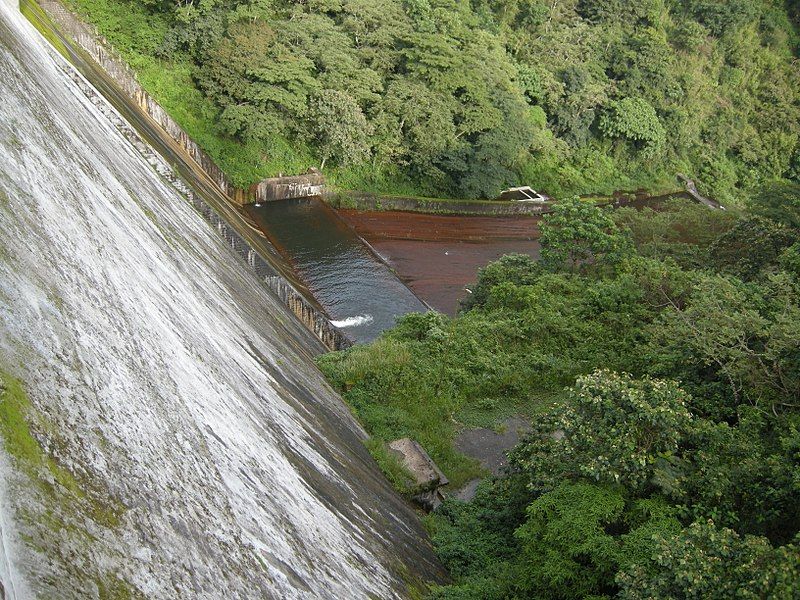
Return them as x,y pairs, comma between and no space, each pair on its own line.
691,187
523,194
427,476
312,183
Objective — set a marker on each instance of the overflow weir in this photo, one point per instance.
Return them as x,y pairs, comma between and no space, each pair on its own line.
209,190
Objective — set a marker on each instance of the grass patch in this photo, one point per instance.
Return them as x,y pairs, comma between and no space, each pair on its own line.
400,478
394,396
491,413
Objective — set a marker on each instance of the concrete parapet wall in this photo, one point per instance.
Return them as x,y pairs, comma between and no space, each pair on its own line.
367,201
283,188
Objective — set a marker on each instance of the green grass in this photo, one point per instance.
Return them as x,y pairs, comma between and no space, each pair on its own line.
41,21
398,387
15,412
392,402
400,478
491,413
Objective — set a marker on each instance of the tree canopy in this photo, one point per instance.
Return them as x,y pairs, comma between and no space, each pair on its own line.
662,390
466,97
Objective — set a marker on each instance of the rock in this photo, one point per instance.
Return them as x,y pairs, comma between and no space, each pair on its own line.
428,478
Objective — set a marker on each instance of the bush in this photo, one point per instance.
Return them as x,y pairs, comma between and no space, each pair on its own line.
705,561
611,429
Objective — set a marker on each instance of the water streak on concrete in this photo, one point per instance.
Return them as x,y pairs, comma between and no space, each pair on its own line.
166,379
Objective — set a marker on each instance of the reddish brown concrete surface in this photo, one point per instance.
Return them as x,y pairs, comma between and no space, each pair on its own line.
438,255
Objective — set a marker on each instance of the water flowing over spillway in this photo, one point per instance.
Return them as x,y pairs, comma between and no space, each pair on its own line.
215,461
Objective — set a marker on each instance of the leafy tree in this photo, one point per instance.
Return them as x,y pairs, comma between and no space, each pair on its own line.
519,269
731,344
614,467
578,536
585,88
742,476
612,429
722,16
489,521
690,35
577,234
779,202
642,63
445,88
494,158
705,561
262,86
681,230
341,129
752,246
790,260
635,120
422,122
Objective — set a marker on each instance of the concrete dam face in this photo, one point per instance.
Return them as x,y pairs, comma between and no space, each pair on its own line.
166,434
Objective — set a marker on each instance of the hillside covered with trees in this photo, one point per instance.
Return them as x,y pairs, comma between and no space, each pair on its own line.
657,358
463,98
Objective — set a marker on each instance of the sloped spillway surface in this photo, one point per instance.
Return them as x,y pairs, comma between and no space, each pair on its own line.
208,458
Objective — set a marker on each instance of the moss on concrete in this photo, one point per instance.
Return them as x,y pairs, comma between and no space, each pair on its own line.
34,13
64,505
17,416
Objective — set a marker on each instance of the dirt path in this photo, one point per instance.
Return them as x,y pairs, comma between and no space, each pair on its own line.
490,448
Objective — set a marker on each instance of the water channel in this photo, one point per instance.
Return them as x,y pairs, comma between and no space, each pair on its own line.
438,256
359,292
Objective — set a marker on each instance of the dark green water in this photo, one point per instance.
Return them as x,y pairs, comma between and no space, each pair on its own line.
359,292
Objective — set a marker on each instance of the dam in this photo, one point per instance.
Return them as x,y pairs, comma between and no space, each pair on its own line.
179,441
348,283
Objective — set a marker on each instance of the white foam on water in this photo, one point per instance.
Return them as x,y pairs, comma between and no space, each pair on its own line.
352,321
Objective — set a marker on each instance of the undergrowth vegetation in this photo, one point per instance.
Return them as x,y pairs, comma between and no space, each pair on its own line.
656,354
465,97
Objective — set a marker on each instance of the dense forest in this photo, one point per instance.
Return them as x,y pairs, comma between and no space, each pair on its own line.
657,356
463,98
